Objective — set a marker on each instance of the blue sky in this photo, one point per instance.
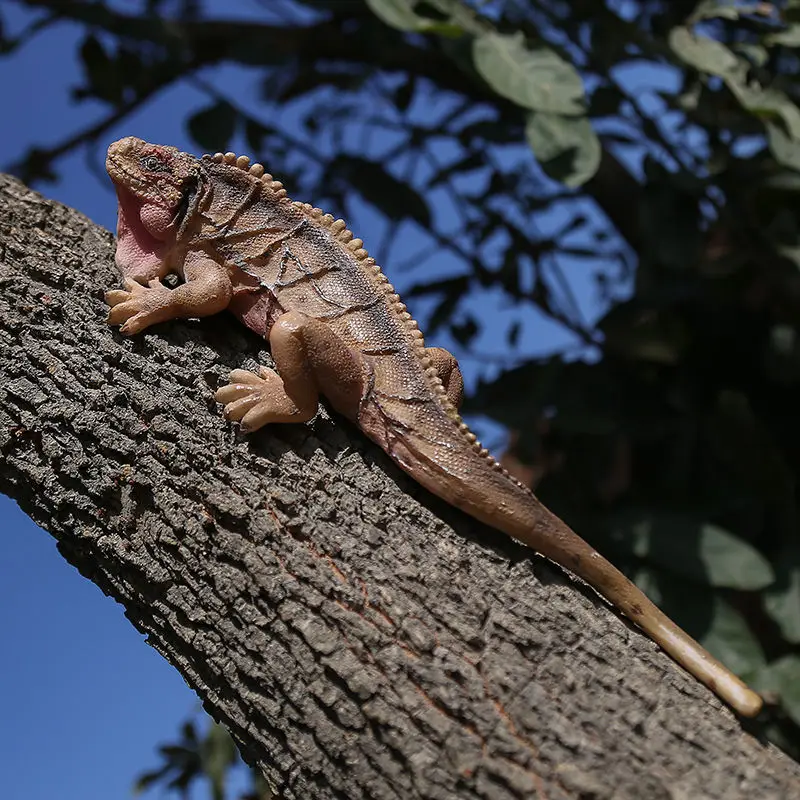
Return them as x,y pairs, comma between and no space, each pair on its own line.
85,700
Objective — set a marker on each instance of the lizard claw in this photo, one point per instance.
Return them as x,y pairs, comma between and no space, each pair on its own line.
250,378
236,409
116,296
250,398
136,307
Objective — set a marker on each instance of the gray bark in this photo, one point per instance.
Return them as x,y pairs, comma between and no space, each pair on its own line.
358,637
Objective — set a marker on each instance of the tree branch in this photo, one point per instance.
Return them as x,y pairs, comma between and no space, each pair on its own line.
359,638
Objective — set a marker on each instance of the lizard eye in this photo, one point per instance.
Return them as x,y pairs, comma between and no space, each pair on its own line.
153,164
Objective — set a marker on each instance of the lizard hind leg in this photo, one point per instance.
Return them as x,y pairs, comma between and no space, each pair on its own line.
310,359
450,373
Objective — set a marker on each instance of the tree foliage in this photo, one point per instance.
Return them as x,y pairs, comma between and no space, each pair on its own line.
627,172
206,754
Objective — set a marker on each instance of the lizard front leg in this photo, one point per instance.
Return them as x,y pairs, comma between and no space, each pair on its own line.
311,360
207,290
450,373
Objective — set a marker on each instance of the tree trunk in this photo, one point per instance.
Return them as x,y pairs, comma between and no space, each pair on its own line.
358,637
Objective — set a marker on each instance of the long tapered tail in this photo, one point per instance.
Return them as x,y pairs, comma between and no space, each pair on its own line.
471,482
554,539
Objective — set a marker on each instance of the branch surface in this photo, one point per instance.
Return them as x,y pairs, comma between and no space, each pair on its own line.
358,637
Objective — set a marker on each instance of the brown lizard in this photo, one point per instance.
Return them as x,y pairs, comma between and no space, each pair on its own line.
336,327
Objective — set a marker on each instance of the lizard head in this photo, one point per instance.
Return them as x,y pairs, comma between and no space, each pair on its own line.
156,187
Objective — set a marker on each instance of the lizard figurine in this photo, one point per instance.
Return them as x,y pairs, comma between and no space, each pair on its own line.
336,327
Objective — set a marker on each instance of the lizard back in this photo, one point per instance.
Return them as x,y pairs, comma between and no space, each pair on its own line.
296,257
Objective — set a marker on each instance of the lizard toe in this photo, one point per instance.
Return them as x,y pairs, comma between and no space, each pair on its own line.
117,296
138,322
248,377
257,417
238,408
123,312
232,391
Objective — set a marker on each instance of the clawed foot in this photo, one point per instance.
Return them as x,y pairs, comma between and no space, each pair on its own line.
251,398
136,307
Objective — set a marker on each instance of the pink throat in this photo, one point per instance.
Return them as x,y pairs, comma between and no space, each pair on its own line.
142,236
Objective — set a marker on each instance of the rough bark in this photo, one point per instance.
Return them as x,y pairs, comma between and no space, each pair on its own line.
358,637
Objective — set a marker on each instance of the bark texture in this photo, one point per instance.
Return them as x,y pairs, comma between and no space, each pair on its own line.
358,637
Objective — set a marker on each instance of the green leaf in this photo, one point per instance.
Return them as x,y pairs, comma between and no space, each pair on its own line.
729,639
791,11
782,600
94,57
254,133
786,38
783,677
532,77
189,732
147,779
396,13
400,14
567,148
694,549
730,561
635,331
754,53
766,103
784,147
702,53
103,80
213,127
464,332
219,754
710,9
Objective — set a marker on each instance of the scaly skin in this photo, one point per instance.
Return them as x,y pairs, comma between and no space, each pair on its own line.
336,327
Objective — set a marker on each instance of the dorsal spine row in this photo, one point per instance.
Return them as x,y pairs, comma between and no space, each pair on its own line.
339,229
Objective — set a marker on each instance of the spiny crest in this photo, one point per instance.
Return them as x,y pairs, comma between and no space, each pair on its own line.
256,170
480,450
338,227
